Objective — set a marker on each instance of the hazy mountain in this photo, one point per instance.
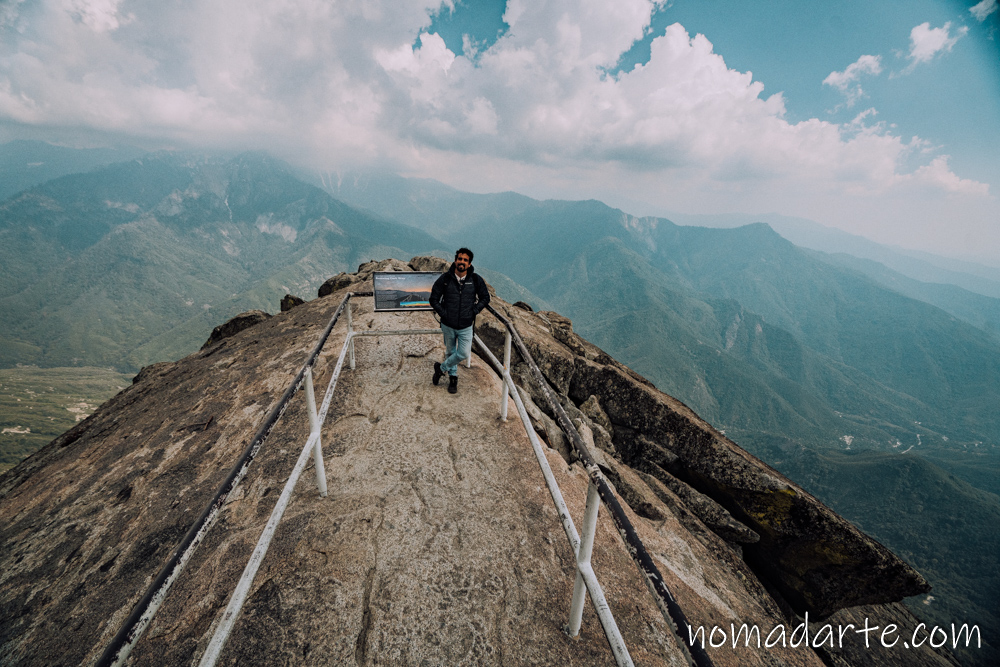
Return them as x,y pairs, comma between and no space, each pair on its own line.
937,522
974,308
925,267
442,210
834,356
136,262
817,368
790,353
424,203
24,164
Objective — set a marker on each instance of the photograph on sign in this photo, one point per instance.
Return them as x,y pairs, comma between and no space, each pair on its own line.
403,290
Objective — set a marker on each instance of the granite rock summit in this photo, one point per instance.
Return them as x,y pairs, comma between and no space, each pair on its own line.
438,543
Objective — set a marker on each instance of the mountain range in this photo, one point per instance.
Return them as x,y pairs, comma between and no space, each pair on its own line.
134,262
811,360
823,346
841,382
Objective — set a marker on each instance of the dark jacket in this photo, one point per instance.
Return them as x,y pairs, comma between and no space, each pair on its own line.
456,306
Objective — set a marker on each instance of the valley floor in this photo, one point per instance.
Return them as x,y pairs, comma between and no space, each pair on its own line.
37,404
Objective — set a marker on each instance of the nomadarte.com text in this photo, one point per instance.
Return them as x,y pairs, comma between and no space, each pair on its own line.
833,636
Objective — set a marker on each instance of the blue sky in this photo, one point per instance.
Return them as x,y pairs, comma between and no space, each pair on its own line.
880,118
952,99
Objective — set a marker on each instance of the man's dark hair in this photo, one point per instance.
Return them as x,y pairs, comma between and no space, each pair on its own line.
464,251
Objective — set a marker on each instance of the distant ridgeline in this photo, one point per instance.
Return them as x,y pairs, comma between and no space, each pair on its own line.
435,545
132,263
883,405
827,373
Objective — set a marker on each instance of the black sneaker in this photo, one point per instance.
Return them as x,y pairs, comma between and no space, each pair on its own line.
453,384
437,372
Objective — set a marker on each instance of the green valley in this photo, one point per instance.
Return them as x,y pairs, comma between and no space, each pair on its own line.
38,404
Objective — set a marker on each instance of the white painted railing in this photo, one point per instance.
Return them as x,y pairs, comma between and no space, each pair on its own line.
582,545
313,445
117,651
598,491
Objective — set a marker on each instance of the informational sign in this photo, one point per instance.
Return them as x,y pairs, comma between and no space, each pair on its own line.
403,290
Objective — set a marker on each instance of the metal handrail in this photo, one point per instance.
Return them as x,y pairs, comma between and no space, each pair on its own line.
142,614
672,612
582,545
314,445
118,650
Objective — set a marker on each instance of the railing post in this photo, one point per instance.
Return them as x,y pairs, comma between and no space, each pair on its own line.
583,558
506,372
315,427
350,338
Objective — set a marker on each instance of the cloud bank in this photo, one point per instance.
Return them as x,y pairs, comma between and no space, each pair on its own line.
362,83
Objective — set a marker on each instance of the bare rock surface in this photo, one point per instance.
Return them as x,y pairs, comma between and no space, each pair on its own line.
818,561
438,543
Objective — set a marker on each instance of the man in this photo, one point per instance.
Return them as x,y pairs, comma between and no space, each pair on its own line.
457,297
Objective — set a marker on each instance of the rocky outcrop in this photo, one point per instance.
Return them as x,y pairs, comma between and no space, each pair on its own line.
337,283
365,271
289,301
815,559
235,325
153,370
437,543
428,263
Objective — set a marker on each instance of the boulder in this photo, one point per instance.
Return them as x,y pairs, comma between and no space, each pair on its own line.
336,283
547,428
592,408
235,325
289,301
366,270
710,512
429,263
561,329
554,359
632,489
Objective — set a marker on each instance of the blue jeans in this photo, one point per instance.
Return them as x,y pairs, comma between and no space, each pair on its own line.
457,347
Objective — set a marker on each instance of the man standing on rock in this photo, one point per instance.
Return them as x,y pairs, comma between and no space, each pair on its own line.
457,297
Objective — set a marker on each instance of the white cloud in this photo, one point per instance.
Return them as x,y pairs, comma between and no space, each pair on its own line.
938,174
9,12
98,15
847,81
362,83
432,54
927,42
983,9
